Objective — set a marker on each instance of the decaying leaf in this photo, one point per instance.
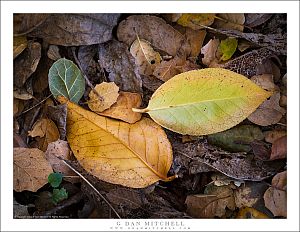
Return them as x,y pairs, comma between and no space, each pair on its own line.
237,138
53,52
195,21
60,149
18,106
145,57
231,21
26,63
254,20
86,56
20,43
45,131
279,148
76,29
133,155
31,169
250,213
209,52
194,41
65,79
109,93
269,67
261,150
265,81
227,48
25,23
130,198
270,112
279,181
276,201
226,98
22,94
59,115
272,136
152,29
115,58
122,109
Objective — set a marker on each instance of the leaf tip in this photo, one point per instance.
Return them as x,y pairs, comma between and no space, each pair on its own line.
140,110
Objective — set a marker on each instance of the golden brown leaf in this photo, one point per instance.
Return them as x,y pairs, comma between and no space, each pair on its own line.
108,92
31,169
272,136
146,58
276,201
122,109
20,43
231,21
248,212
279,181
133,155
45,131
194,41
195,21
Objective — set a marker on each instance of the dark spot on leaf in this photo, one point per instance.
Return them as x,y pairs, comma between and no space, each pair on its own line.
152,61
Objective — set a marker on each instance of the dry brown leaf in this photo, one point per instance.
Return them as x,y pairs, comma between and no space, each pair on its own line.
231,21
279,181
122,109
269,67
153,29
45,131
256,19
268,113
279,148
53,52
250,213
109,93
133,155
31,169
276,201
18,106
20,43
60,149
194,40
265,81
210,53
272,136
145,57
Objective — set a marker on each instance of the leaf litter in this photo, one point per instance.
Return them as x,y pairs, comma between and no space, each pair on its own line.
117,48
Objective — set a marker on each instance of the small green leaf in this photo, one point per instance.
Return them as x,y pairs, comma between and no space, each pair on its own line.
65,79
59,195
55,179
228,47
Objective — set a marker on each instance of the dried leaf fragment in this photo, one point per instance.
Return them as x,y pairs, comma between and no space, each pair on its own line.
272,136
109,93
122,109
133,155
279,148
20,43
210,52
31,169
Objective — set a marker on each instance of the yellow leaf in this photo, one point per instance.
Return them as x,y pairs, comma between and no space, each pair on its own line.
205,101
109,94
31,169
248,213
195,21
133,155
20,43
122,108
145,57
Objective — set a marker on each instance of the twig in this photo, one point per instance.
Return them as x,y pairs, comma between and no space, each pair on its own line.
103,198
85,76
34,106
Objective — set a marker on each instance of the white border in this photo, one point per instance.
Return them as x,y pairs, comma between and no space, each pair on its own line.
8,8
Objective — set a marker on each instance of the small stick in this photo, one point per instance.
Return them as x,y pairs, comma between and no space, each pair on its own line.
34,105
103,198
85,76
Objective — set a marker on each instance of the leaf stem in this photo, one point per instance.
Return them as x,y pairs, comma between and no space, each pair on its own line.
140,110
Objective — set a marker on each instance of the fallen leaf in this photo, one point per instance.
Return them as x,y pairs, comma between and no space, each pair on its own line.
226,98
194,40
152,29
265,81
272,136
20,43
109,93
18,106
250,213
101,145
195,21
76,29
219,179
151,83
86,56
244,45
209,52
26,63
25,23
268,113
236,139
168,69
247,64
130,198
227,48
269,67
31,169
279,181
231,21
60,149
53,52
254,20
45,131
65,79
59,115
261,150
122,109
146,58
115,58
279,148
276,201
18,141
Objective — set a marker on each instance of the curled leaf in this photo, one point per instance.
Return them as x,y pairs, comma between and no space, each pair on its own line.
65,79
204,101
